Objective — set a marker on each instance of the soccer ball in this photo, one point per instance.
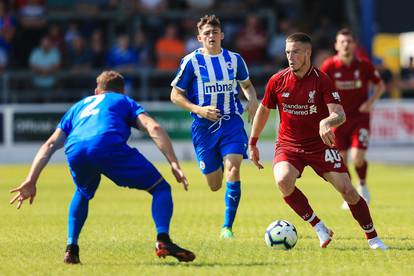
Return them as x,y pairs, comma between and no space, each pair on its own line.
281,235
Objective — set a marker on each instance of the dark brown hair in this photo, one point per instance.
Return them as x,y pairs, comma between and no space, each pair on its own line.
345,31
207,19
110,81
299,37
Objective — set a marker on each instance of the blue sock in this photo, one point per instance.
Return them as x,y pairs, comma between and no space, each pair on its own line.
78,212
231,199
162,207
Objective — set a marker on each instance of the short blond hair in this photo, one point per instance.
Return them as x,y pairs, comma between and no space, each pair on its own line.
110,81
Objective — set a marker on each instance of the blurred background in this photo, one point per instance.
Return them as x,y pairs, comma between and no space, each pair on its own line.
52,51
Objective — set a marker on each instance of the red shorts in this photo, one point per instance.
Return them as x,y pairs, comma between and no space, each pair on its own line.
327,160
352,134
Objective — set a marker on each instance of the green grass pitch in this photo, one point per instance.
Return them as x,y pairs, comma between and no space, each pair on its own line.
118,238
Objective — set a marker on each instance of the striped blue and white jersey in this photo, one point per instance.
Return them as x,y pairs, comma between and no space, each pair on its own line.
212,80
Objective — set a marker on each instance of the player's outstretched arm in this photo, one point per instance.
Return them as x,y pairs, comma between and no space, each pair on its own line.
250,93
336,118
259,122
379,89
208,112
28,188
163,142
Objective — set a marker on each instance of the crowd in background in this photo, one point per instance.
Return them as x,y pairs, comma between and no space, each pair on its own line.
77,36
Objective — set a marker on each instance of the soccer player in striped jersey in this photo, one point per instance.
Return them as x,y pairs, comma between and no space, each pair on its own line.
207,84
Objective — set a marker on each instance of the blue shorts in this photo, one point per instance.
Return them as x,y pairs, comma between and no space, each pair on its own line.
124,165
213,142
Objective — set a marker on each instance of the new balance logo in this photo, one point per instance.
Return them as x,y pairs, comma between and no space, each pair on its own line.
285,95
306,216
368,227
234,198
337,165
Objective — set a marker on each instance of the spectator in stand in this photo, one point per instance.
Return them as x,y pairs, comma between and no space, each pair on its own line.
169,49
142,48
122,57
71,32
251,41
45,62
98,50
7,23
56,37
31,13
152,21
7,32
407,79
32,27
79,57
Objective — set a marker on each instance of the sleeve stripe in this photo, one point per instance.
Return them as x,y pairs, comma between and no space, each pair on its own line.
184,63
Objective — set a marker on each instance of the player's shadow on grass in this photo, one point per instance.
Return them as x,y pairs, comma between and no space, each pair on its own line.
173,263
337,244
218,264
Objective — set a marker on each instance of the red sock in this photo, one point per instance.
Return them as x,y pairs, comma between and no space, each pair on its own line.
299,203
362,172
360,212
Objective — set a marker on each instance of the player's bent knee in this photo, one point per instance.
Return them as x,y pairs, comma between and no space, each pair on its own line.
350,195
286,185
359,162
233,172
162,186
214,186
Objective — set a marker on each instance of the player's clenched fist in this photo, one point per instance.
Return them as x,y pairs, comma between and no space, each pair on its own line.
209,112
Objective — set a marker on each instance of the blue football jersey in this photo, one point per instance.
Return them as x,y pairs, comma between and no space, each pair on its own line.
212,80
101,118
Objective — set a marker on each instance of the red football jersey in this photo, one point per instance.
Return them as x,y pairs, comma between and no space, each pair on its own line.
302,104
352,82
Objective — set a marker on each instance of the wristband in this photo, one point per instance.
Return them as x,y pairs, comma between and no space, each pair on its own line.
253,141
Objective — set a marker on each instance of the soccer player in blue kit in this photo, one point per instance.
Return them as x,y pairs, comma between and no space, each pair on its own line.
95,132
207,84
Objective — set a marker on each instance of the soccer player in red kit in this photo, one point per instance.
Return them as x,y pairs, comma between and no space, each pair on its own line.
352,77
309,107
